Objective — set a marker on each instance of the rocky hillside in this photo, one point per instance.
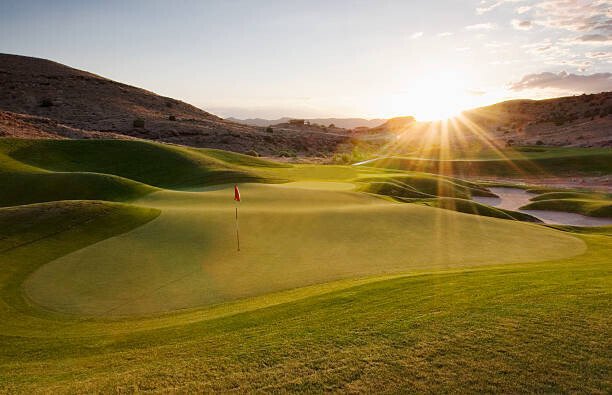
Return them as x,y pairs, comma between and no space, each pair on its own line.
41,98
584,120
580,121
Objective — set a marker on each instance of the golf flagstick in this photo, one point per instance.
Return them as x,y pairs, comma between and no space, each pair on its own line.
237,199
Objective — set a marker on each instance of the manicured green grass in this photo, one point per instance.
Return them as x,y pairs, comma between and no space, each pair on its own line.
333,289
531,327
290,237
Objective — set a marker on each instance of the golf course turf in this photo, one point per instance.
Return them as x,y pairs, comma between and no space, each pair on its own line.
338,286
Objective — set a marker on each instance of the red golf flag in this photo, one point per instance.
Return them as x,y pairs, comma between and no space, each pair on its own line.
236,193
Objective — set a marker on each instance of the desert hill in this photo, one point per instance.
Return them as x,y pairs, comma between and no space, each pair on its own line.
579,121
45,99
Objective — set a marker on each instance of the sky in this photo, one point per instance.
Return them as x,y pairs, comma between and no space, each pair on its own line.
268,59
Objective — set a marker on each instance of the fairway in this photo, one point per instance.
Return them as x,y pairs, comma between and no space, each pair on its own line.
292,235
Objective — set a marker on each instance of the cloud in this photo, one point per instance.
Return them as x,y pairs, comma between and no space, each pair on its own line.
521,25
577,16
444,34
601,55
589,83
416,35
593,39
481,26
486,6
523,9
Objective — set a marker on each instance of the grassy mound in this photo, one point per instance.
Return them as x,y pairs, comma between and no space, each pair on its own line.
150,163
472,207
31,235
240,159
572,195
592,208
34,187
420,185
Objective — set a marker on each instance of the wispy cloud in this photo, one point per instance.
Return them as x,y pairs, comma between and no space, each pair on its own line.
577,16
481,26
601,55
444,34
523,9
416,35
592,39
590,83
486,6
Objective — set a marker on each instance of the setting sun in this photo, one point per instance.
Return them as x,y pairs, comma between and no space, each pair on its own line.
433,97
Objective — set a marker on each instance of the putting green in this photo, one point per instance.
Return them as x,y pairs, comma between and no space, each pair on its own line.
291,236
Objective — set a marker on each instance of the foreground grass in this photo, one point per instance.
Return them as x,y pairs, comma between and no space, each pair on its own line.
525,328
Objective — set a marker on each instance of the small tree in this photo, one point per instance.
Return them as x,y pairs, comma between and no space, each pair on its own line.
172,118
138,123
269,129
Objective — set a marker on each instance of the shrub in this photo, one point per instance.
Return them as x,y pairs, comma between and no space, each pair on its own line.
539,142
252,153
287,154
138,123
172,118
46,103
269,129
